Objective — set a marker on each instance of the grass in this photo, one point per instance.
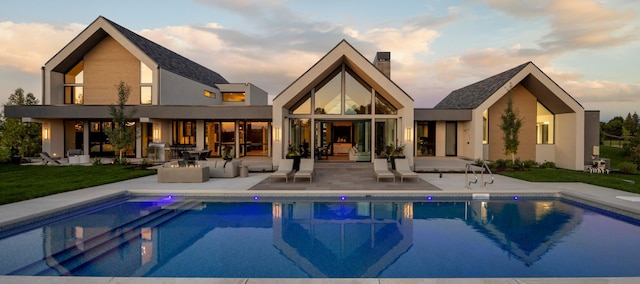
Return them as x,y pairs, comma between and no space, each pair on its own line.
26,182
625,182
629,183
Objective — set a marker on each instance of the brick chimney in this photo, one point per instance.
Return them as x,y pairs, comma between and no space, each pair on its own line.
383,62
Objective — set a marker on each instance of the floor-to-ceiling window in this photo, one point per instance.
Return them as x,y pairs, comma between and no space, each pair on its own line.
73,135
342,109
545,122
426,135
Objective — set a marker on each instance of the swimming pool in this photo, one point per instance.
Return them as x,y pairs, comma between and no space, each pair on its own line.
298,238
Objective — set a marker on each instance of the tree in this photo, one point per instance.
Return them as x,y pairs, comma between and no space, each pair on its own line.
121,134
510,125
26,137
630,125
614,126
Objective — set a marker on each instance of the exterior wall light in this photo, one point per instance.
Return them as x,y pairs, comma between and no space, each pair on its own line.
408,134
276,134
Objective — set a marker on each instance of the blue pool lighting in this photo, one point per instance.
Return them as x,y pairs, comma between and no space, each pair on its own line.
168,197
429,197
343,197
255,197
515,197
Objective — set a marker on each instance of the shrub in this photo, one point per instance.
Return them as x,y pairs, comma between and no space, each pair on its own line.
530,164
96,161
627,167
501,163
548,165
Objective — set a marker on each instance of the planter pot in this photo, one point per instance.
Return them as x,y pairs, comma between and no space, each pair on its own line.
296,162
393,161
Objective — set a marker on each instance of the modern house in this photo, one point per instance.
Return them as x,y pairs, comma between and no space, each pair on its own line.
344,105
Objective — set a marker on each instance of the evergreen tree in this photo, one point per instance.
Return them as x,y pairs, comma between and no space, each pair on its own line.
23,137
510,125
121,135
629,125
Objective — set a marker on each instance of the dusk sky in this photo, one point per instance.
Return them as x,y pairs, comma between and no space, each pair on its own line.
591,48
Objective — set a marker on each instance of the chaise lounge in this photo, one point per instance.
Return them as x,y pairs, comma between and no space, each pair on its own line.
402,168
285,170
46,159
306,170
381,170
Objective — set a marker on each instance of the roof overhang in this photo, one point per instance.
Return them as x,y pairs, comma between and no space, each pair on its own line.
40,112
430,114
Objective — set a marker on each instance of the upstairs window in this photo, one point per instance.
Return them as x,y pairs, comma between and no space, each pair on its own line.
74,85
209,94
233,97
146,81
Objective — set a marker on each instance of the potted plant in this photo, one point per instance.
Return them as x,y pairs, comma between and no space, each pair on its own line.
294,153
397,152
226,154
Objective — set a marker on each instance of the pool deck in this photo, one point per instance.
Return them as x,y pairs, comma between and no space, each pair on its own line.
429,184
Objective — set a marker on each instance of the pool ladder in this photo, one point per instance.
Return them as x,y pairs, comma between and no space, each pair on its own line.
469,169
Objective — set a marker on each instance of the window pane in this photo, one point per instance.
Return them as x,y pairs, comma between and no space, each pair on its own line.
328,96
209,94
78,97
383,106
145,95
357,95
146,75
545,125
233,97
75,75
304,107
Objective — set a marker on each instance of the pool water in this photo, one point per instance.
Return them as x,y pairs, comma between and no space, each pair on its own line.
346,239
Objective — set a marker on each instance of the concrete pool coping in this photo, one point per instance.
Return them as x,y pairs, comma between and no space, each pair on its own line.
450,184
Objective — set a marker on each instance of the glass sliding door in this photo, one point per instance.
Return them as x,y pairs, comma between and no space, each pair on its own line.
426,135
451,139
386,139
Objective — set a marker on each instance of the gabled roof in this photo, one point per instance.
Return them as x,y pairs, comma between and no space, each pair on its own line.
165,58
345,52
472,96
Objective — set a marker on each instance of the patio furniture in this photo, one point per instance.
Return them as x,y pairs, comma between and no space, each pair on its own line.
46,159
190,159
285,170
306,170
403,169
381,170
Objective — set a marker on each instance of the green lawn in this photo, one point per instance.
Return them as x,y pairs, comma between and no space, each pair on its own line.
630,183
26,182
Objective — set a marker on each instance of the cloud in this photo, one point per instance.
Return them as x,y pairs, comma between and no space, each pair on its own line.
27,46
574,24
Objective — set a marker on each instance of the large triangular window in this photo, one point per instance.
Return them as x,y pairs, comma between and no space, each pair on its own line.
383,106
328,99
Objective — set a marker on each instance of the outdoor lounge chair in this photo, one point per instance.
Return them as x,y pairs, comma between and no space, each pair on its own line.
402,168
381,170
46,159
285,170
306,170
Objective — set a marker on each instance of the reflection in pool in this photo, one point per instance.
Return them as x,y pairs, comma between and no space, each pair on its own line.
361,239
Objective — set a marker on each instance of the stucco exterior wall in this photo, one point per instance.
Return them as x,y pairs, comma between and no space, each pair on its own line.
525,104
178,90
105,66
569,129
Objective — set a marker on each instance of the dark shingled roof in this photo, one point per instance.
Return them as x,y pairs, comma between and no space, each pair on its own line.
470,97
170,60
